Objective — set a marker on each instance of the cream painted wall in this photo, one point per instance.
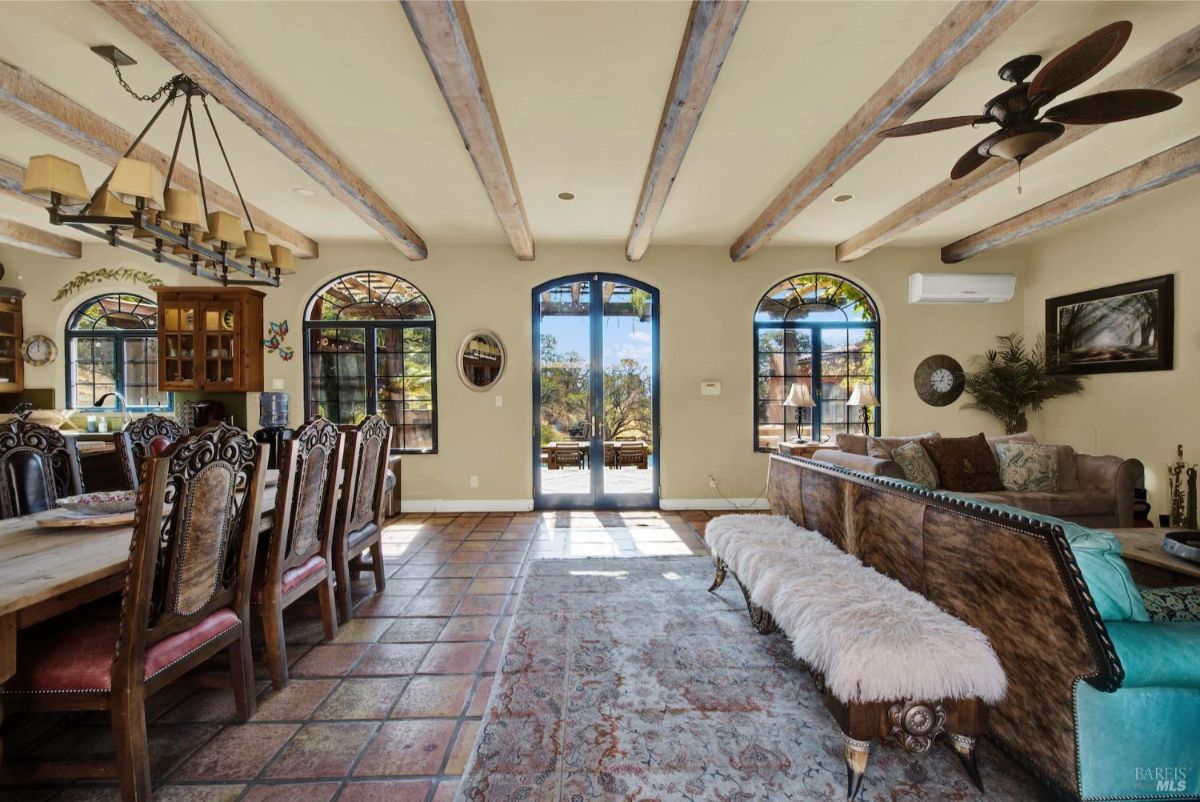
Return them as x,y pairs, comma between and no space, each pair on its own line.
707,305
1143,415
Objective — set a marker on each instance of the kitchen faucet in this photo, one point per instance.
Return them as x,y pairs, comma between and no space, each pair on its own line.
128,417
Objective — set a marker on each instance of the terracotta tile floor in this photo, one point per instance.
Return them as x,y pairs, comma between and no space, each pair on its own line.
389,710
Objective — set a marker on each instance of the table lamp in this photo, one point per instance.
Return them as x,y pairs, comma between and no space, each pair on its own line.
863,396
800,398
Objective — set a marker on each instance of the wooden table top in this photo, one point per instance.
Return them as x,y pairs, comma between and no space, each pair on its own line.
1145,546
39,564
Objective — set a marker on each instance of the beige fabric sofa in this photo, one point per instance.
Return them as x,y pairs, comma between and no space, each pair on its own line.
1093,490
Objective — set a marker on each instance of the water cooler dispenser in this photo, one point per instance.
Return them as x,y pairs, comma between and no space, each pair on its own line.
273,418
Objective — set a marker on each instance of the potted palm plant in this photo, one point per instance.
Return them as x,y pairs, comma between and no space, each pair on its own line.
1012,379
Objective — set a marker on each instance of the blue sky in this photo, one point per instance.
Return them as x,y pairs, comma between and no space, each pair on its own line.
623,337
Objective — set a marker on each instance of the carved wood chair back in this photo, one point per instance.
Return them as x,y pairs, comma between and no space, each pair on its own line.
39,465
306,497
368,446
142,438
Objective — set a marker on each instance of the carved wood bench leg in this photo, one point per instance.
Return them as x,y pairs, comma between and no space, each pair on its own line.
760,619
964,747
858,753
719,579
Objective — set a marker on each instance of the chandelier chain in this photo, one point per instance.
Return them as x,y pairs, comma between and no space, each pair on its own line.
154,98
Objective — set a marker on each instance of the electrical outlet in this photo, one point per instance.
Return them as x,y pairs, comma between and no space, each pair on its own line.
474,481
712,481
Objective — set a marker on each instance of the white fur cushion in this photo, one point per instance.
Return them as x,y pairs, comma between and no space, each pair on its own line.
872,638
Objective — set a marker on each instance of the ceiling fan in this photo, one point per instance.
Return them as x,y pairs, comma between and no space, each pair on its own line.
1016,110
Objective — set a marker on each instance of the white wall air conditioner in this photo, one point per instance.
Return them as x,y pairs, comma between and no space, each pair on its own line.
961,288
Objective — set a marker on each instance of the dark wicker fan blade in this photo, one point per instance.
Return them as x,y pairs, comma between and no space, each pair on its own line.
939,124
968,163
1111,107
1081,60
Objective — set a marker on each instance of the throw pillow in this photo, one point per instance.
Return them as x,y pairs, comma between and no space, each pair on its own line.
1019,437
882,447
917,467
1172,604
852,443
1028,467
964,464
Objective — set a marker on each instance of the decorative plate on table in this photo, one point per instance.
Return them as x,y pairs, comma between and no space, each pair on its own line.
100,503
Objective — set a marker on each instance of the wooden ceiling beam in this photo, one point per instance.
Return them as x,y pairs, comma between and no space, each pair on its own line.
953,44
29,101
443,29
12,181
180,36
706,40
33,239
1172,66
1159,170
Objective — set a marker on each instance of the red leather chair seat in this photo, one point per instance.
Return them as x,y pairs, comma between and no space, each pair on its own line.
79,655
158,445
291,577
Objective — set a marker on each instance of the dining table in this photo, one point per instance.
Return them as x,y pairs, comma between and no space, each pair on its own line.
47,572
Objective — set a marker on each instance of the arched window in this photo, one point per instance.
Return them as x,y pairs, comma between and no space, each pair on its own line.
112,347
369,348
819,333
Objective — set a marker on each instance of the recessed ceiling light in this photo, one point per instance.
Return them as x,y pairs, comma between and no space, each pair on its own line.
304,192
566,196
846,198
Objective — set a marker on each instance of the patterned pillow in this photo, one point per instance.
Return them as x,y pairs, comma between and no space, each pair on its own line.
964,464
1173,604
1028,467
917,466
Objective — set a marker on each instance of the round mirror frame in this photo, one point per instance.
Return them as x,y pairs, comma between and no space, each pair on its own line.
462,352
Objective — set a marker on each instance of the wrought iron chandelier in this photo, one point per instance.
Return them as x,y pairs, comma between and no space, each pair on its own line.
136,208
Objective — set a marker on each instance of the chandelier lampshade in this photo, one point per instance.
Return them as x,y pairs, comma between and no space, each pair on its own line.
156,219
48,175
282,260
107,204
226,228
256,247
133,179
183,206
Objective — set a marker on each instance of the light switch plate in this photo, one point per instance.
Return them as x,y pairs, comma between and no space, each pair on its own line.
499,400
276,384
710,388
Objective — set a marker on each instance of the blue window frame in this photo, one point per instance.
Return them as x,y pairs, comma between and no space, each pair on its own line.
818,330
112,346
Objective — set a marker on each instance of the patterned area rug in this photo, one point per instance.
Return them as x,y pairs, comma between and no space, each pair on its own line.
624,679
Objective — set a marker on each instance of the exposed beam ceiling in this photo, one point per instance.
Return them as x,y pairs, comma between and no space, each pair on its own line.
956,41
12,179
33,239
706,39
29,101
1172,66
181,37
1157,171
443,29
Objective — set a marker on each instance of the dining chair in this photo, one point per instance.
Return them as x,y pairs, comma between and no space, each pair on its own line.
39,465
568,454
631,453
186,599
148,436
299,550
361,511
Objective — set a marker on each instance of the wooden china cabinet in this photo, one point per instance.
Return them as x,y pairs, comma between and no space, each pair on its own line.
12,366
210,339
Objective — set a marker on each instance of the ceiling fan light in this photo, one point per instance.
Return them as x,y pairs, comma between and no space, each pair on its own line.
256,247
47,175
1017,144
226,228
183,206
133,179
282,259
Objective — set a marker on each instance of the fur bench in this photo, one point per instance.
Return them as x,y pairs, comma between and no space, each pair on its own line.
887,660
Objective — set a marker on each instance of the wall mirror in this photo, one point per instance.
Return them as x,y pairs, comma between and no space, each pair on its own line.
481,359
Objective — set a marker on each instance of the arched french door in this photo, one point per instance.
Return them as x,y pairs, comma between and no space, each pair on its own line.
595,393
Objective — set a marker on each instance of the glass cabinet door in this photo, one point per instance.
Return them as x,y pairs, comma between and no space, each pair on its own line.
178,355
222,362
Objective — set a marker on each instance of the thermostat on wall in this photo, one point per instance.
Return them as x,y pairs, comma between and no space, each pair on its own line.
710,388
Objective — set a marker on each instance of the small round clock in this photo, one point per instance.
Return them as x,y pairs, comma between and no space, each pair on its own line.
39,350
939,380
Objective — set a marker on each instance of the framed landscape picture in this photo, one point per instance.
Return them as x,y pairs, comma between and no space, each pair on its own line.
1119,329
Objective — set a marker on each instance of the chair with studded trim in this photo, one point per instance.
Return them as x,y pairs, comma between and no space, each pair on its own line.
361,510
39,465
145,437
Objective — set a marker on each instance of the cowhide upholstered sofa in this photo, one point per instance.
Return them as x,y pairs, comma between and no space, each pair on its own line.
1102,704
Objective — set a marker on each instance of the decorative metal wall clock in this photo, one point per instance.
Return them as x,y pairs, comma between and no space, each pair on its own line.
939,380
39,350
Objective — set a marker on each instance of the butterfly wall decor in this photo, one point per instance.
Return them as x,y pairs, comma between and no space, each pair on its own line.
274,343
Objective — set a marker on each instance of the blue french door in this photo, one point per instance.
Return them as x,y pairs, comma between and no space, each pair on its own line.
595,393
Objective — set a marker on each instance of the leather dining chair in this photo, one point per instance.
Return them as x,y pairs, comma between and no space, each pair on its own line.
299,551
147,436
361,509
38,466
186,599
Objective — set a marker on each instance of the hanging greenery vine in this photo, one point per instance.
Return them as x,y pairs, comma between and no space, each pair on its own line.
87,277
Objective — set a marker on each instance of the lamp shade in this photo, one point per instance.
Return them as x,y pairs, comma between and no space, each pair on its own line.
281,258
106,204
153,218
133,179
183,206
50,174
863,396
226,228
256,247
799,396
